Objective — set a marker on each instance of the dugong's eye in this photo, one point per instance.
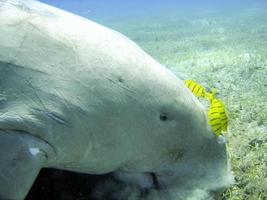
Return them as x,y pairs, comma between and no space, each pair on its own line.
163,117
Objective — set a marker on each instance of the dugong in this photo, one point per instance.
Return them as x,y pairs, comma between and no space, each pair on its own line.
78,96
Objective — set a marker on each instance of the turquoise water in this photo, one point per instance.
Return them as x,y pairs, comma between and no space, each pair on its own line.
100,9
222,45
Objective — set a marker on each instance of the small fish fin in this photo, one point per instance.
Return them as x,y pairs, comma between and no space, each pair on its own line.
209,96
214,91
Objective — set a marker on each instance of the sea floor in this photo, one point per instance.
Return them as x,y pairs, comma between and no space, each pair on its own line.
226,50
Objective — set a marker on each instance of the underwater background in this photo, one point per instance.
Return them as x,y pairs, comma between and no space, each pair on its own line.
220,44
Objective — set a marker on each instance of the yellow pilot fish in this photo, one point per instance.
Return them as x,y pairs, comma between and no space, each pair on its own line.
217,116
218,119
197,89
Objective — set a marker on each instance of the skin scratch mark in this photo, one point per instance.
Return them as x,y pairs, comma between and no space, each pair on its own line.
37,96
88,149
3,176
11,65
120,85
56,118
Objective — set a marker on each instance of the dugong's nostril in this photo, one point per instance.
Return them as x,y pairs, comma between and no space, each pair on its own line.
163,117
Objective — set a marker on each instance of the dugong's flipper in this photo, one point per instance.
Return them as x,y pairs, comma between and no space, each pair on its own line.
21,158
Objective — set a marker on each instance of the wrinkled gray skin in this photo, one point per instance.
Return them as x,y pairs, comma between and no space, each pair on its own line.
78,96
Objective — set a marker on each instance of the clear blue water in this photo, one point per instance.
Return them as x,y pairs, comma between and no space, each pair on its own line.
106,9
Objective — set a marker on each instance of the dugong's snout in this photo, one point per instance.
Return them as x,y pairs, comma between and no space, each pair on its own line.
189,155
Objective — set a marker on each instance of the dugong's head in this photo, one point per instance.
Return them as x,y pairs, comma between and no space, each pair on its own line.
166,143
170,140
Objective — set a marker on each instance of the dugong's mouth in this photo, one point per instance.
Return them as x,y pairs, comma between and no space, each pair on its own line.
148,187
